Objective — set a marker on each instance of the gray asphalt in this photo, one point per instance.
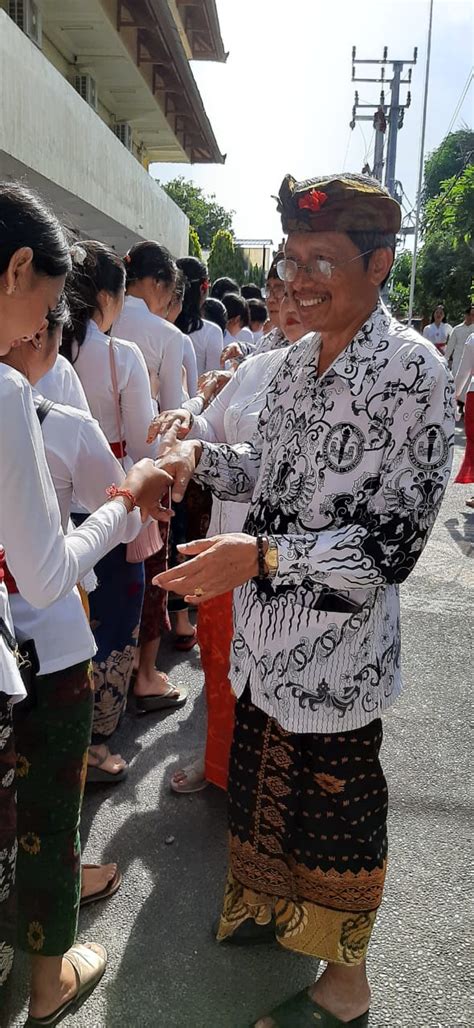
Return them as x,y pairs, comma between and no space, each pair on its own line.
164,968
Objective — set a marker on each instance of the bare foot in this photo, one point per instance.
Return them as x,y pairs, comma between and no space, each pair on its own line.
189,779
96,879
156,685
183,625
100,756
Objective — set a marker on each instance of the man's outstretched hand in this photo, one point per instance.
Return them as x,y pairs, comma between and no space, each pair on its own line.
218,565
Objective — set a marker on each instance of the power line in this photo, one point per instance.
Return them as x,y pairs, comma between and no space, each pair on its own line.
464,93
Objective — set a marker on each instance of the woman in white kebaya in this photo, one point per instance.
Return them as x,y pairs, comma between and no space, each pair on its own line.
206,337
95,292
151,278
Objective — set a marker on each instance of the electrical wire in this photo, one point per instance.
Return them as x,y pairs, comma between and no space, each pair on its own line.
461,100
347,149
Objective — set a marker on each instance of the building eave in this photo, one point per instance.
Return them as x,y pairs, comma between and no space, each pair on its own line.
200,22
176,87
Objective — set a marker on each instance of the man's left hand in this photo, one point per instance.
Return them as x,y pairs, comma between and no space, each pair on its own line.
218,565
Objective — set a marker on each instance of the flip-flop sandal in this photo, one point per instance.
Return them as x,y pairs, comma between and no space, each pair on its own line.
300,1011
194,780
165,701
112,887
97,776
184,643
89,967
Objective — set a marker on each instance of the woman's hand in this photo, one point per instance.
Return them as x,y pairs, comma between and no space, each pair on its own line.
168,419
211,383
219,564
232,352
149,484
180,461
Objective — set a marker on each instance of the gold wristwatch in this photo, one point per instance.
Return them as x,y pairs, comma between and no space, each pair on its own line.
271,558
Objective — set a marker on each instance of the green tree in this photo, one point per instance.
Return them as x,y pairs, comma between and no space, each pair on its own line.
447,160
399,285
194,244
204,213
222,256
452,210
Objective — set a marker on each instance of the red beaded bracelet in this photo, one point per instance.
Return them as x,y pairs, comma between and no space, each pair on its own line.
113,491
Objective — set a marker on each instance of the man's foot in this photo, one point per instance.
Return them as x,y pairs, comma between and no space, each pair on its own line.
344,995
470,502
96,879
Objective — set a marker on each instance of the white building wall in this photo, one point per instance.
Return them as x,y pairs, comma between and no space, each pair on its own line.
47,127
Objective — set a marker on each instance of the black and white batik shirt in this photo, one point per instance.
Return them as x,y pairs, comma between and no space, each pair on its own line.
347,472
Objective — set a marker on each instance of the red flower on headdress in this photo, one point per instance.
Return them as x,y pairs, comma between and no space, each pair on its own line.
312,201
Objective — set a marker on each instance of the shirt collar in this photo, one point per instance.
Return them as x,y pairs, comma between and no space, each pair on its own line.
136,301
358,358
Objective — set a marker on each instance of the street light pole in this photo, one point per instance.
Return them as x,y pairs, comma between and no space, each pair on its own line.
420,169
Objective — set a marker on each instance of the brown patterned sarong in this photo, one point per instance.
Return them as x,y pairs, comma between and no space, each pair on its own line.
308,835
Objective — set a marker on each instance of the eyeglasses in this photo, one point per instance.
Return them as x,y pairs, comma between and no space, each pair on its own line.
275,291
288,268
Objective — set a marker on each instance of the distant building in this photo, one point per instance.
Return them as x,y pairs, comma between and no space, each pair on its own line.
91,92
257,251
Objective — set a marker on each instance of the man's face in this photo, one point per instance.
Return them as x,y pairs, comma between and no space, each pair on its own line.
329,304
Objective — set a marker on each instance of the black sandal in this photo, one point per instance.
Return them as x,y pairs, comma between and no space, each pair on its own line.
300,1011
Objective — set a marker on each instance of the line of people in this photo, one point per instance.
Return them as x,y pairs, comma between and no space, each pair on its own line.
94,350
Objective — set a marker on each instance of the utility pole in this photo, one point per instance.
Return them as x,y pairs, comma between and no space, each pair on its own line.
392,115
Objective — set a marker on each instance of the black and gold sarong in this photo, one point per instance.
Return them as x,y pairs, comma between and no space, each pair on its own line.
308,835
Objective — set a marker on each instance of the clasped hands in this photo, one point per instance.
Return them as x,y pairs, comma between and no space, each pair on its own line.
218,564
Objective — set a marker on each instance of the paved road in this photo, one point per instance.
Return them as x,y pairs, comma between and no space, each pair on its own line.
165,970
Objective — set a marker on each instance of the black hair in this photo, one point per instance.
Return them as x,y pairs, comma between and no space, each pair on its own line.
149,260
468,309
59,316
195,273
236,307
435,308
272,271
95,267
257,311
214,310
222,286
370,241
179,288
25,220
251,291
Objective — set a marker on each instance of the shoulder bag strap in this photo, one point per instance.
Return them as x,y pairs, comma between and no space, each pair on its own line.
113,373
42,409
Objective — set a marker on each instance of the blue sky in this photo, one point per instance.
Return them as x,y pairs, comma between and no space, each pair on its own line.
283,101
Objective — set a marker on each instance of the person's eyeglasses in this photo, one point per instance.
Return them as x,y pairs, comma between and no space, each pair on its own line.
275,292
288,268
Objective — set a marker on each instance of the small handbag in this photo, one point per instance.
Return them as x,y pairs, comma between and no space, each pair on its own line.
148,540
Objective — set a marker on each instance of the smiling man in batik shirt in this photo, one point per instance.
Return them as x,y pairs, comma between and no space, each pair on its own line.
345,477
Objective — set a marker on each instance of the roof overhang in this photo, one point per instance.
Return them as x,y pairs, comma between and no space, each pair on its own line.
200,23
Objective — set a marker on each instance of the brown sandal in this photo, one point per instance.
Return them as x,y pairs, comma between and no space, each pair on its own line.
110,889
